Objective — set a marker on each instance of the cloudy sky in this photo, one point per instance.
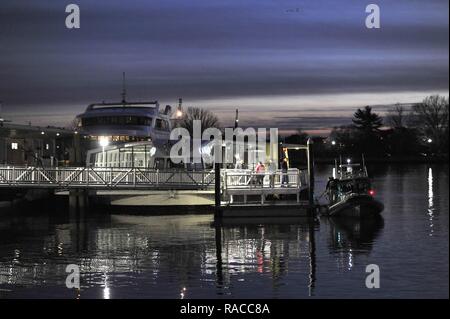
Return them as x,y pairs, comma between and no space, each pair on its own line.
292,63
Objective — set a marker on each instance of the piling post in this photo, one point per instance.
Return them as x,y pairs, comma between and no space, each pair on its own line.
312,257
219,268
310,154
217,195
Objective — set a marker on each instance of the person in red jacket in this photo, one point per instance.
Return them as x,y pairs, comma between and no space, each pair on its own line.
260,169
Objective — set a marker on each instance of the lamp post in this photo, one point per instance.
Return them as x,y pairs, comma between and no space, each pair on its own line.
103,141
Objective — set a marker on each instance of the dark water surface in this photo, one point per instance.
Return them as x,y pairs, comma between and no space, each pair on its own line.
122,256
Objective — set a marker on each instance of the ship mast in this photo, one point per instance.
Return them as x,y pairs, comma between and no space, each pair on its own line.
124,89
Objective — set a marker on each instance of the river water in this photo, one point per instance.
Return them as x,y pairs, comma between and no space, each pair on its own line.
125,256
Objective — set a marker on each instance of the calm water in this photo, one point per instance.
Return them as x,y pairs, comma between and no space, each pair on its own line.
176,257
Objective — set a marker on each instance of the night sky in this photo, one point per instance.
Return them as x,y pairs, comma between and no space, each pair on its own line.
287,63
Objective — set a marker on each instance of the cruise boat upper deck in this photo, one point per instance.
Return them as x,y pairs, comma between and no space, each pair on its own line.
125,121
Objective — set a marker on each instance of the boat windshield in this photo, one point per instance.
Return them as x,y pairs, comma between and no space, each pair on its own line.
351,171
359,186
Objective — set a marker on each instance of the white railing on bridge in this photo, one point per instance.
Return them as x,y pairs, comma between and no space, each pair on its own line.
97,177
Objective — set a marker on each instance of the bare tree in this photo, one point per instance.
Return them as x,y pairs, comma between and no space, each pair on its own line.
74,124
206,118
432,118
396,116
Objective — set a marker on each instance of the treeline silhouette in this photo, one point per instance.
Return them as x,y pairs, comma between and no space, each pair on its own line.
420,132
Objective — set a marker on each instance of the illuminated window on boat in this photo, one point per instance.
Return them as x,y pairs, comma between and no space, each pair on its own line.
117,120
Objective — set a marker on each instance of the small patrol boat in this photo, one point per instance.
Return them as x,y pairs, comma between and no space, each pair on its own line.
350,193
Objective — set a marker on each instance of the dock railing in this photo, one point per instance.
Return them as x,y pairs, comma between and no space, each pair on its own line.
108,177
237,182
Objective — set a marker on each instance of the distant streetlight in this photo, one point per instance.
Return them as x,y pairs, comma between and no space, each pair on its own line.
349,161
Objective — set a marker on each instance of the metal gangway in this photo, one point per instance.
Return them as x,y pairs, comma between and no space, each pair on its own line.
233,182
104,178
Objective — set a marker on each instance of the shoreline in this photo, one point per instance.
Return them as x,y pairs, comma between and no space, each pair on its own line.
396,160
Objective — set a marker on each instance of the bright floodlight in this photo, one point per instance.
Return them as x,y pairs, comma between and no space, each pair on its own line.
103,141
348,161
179,113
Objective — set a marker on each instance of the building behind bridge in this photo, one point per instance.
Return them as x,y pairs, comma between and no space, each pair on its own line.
27,145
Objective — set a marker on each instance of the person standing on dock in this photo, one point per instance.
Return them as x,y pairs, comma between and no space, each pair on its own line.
260,170
272,171
239,164
284,170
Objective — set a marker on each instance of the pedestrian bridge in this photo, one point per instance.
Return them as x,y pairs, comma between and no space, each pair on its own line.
233,182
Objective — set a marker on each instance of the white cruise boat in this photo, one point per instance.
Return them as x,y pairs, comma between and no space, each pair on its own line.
125,134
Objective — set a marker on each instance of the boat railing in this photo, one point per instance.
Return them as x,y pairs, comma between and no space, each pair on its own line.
351,175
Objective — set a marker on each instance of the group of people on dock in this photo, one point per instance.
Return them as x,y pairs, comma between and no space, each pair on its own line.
271,170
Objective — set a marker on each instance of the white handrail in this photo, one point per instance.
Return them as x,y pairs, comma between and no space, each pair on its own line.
111,177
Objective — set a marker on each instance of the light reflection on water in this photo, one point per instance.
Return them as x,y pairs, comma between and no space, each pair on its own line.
430,199
124,256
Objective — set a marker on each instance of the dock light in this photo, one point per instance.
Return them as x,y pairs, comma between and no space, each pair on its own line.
103,141
429,140
349,161
333,143
371,192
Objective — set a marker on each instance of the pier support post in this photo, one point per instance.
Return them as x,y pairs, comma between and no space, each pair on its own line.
312,257
78,199
217,195
310,154
219,268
